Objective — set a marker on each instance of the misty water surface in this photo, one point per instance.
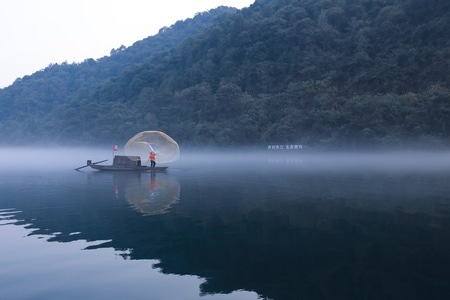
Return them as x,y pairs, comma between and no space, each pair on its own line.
228,225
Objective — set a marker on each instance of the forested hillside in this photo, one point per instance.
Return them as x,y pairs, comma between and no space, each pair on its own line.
328,73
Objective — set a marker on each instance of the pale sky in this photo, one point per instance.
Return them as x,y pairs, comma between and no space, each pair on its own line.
36,33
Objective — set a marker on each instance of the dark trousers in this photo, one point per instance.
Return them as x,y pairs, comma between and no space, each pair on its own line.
152,163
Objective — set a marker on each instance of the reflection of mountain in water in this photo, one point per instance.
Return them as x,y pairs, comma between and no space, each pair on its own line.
154,196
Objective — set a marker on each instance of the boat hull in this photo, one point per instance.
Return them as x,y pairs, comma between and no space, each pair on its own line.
126,168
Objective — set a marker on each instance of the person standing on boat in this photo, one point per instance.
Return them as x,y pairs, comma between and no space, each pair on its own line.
152,159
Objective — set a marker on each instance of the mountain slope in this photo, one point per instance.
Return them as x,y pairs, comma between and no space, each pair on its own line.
58,83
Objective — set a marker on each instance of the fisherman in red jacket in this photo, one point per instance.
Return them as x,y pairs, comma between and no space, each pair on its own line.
152,159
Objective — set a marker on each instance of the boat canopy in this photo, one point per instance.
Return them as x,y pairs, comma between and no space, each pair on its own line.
127,161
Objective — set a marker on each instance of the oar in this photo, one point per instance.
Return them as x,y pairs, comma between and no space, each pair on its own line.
90,164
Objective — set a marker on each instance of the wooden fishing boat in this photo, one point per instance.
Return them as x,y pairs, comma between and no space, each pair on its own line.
123,163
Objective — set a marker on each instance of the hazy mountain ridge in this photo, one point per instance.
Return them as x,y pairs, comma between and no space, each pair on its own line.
58,82
330,73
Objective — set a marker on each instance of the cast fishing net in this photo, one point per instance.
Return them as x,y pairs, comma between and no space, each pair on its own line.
164,146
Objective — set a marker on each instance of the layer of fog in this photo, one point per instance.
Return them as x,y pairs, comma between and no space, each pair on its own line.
71,158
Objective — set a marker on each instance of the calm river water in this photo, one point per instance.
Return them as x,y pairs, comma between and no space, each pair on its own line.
226,226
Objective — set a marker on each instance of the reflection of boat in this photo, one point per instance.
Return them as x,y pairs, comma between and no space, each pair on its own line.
153,197
124,163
